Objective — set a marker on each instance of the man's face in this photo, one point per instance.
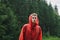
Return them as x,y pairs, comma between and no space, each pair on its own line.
34,19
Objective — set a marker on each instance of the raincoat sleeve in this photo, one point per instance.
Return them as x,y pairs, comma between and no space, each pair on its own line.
40,34
21,36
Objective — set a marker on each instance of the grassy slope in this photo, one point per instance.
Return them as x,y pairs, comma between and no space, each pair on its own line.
51,38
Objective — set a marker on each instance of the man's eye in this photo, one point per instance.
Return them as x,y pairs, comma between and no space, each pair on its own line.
35,17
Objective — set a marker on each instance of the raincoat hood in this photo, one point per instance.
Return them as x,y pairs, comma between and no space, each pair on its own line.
30,20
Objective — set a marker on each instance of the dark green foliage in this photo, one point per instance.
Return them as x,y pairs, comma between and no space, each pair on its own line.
8,23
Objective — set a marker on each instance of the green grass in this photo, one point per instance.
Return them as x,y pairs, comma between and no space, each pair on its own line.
51,38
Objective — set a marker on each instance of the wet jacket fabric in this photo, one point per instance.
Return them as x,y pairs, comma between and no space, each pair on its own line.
30,31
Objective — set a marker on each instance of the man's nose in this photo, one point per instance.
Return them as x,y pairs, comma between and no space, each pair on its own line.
34,20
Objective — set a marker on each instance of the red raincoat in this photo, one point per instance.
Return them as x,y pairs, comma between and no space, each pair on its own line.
29,32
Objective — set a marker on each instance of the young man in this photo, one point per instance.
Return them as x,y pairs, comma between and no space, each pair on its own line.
31,30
